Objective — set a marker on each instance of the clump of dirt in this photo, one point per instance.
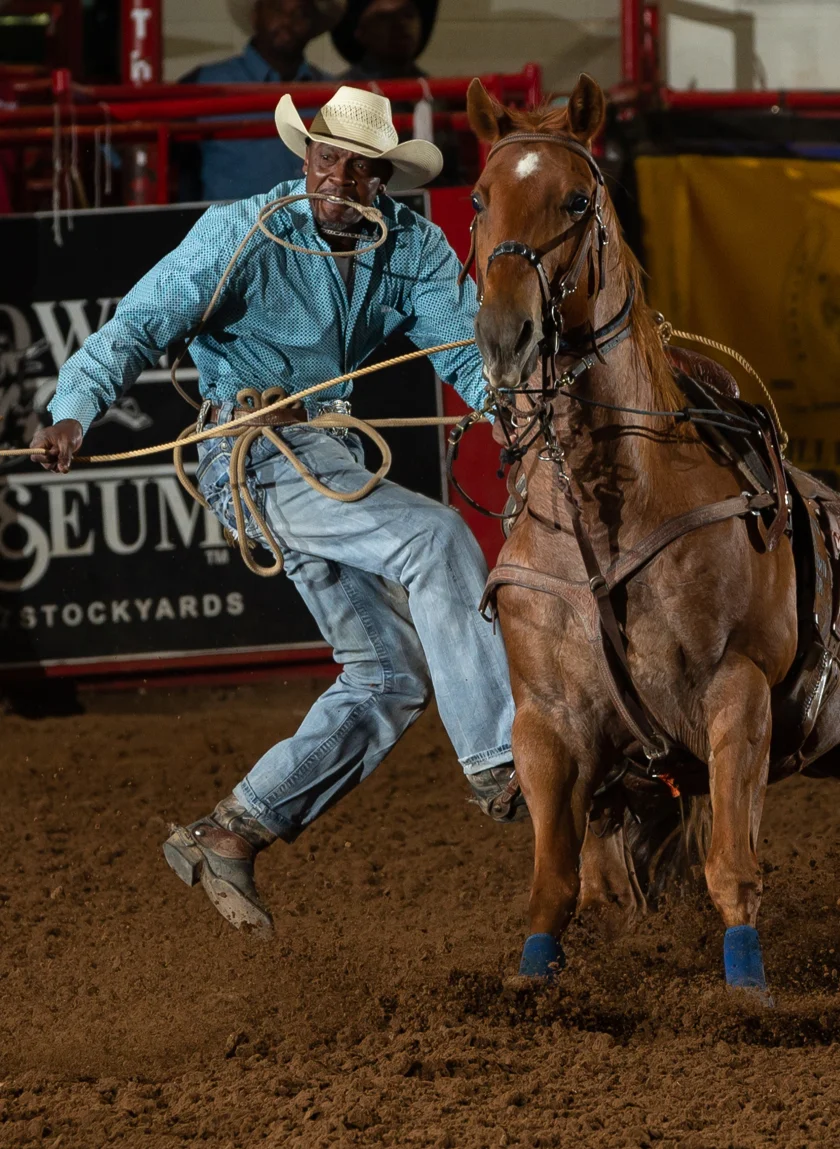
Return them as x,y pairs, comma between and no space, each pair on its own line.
382,1013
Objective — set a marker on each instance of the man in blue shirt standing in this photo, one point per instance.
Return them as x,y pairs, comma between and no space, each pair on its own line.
393,579
233,169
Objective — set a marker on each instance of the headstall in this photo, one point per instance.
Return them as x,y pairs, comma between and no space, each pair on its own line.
554,295
592,243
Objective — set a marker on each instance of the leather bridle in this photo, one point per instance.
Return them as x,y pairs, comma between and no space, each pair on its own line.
594,235
591,245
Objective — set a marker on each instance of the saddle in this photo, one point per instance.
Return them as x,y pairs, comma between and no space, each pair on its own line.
708,372
787,501
813,526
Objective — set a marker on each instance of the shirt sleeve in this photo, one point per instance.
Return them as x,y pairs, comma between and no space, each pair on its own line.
164,306
443,312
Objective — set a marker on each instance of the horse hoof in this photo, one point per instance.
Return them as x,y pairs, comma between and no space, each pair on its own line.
750,998
743,963
542,957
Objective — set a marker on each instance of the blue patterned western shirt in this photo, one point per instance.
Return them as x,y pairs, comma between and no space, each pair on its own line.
284,319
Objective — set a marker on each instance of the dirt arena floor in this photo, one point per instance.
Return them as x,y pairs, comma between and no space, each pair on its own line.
132,1015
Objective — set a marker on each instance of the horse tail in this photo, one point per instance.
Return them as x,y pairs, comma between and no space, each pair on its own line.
669,841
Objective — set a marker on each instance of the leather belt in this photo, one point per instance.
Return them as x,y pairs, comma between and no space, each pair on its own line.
255,417
281,418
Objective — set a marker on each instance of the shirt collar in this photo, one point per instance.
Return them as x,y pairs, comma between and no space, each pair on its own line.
261,72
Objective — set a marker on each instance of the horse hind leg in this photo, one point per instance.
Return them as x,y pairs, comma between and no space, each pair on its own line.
610,892
738,708
645,843
668,837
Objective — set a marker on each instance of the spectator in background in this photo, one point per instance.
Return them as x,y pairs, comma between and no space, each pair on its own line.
281,29
381,39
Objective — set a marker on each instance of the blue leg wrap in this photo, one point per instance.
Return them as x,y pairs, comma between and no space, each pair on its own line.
542,956
742,959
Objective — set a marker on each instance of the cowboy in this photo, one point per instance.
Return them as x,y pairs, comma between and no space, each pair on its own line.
280,31
392,580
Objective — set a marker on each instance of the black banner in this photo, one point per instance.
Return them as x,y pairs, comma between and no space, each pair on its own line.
117,562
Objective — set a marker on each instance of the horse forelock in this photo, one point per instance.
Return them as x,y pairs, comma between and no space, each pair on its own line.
543,118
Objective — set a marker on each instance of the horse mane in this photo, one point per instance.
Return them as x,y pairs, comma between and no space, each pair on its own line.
550,118
666,394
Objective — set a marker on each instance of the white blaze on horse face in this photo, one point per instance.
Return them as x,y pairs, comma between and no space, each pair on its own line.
527,165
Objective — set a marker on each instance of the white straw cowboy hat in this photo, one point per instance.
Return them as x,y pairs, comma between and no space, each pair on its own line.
360,121
327,14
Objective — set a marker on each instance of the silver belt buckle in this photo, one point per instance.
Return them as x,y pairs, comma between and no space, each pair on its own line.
335,407
203,411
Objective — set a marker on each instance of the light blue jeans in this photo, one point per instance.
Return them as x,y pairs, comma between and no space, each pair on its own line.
393,582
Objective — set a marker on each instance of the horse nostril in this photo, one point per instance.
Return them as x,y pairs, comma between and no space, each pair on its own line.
524,336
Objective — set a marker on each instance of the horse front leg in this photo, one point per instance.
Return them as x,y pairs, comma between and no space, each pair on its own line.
739,727
555,792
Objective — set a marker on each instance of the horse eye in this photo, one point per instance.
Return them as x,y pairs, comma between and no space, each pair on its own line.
578,204
476,202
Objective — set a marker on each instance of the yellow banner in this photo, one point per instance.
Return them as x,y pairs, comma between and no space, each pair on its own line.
747,251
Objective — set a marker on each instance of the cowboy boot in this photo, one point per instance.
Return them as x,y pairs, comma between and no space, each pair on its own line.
498,794
219,851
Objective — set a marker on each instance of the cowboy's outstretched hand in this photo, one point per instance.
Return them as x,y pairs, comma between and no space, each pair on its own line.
61,442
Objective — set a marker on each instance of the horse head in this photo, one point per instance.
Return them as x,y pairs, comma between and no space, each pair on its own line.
540,199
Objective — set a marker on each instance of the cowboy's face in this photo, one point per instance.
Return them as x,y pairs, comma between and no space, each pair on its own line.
336,171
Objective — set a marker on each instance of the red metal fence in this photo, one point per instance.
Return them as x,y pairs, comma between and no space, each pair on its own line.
58,122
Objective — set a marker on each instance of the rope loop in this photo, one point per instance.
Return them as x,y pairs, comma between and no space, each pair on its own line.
372,214
244,437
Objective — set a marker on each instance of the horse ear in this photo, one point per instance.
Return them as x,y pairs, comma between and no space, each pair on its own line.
488,118
587,108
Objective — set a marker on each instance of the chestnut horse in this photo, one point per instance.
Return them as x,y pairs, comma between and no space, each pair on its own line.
709,623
